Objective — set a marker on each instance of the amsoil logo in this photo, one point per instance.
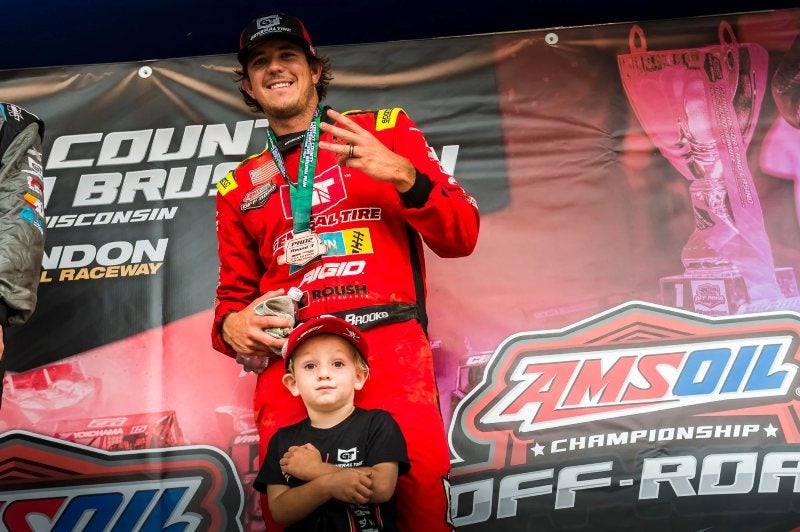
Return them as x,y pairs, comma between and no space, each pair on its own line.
634,360
48,484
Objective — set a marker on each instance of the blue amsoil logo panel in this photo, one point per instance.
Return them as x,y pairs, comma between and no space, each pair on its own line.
51,485
639,411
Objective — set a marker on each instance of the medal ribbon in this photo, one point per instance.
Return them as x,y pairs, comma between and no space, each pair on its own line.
301,193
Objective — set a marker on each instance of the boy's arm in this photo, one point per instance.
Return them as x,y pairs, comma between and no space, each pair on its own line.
384,480
387,453
304,462
290,505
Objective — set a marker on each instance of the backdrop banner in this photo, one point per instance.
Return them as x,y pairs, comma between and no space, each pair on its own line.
625,350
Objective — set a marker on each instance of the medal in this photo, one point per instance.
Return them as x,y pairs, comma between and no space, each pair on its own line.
305,245
302,248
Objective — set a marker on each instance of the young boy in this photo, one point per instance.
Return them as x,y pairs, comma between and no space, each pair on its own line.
337,469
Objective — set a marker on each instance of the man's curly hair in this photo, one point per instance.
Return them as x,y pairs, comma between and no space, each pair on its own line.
321,86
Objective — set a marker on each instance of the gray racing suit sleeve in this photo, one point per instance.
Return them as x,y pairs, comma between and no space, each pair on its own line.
22,222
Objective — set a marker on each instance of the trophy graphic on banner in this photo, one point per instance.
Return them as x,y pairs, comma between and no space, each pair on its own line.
780,156
700,106
786,85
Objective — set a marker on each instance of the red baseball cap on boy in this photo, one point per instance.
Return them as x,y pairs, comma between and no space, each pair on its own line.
325,324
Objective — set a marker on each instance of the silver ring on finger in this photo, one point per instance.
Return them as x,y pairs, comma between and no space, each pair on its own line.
351,151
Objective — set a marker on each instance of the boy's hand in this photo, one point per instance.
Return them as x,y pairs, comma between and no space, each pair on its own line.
302,462
350,485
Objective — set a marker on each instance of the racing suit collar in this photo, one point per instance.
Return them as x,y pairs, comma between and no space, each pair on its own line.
291,140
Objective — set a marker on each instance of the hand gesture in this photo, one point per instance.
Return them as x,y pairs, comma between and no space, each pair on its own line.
361,150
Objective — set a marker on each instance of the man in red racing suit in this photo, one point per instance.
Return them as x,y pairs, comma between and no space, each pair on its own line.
371,273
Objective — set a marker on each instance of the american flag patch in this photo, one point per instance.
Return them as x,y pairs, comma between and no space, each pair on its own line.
263,174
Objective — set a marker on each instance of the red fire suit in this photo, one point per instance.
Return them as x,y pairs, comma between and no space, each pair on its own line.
372,274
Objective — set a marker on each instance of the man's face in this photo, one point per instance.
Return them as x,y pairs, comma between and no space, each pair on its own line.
280,78
324,373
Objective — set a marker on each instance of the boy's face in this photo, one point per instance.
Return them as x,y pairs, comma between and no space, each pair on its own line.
324,373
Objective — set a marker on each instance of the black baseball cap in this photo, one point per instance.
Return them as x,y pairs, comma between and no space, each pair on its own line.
325,324
276,26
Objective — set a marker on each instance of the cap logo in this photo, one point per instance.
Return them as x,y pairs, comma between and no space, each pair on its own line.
268,23
309,331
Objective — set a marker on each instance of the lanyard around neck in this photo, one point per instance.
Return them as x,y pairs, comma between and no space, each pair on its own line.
301,193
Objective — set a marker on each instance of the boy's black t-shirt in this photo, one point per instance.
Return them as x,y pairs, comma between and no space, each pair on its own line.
365,438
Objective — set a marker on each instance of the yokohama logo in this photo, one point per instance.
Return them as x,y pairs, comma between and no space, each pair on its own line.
48,484
635,359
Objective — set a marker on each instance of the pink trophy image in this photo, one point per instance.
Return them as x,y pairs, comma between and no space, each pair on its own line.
699,106
780,151
786,85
